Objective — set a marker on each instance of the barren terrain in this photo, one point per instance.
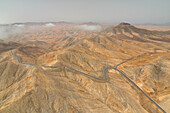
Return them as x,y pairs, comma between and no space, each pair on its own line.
37,89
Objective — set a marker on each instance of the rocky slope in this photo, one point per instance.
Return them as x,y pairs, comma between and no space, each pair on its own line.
38,89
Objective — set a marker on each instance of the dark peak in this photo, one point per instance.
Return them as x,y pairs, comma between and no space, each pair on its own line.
128,28
123,27
123,23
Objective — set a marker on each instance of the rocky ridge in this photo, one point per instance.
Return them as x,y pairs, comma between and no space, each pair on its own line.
36,89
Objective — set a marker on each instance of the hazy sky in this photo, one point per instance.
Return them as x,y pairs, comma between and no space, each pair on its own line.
102,11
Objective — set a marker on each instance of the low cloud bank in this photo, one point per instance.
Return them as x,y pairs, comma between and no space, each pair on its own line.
49,25
90,27
6,31
19,25
9,30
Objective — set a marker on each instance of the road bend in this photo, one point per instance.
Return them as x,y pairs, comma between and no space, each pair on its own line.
105,75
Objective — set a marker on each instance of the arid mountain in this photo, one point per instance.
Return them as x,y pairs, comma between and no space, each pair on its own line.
8,46
48,70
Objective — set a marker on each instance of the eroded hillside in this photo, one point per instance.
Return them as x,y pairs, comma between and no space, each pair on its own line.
38,88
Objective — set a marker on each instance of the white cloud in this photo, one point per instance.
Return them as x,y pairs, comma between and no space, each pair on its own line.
90,27
19,25
49,25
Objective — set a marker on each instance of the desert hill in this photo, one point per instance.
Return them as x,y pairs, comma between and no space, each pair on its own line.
39,89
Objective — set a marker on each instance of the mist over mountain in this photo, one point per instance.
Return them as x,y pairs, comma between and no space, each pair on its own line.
8,30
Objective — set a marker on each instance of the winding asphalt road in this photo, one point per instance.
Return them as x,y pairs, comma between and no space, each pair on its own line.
105,75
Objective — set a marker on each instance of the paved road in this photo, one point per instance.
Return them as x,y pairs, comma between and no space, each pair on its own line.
105,74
